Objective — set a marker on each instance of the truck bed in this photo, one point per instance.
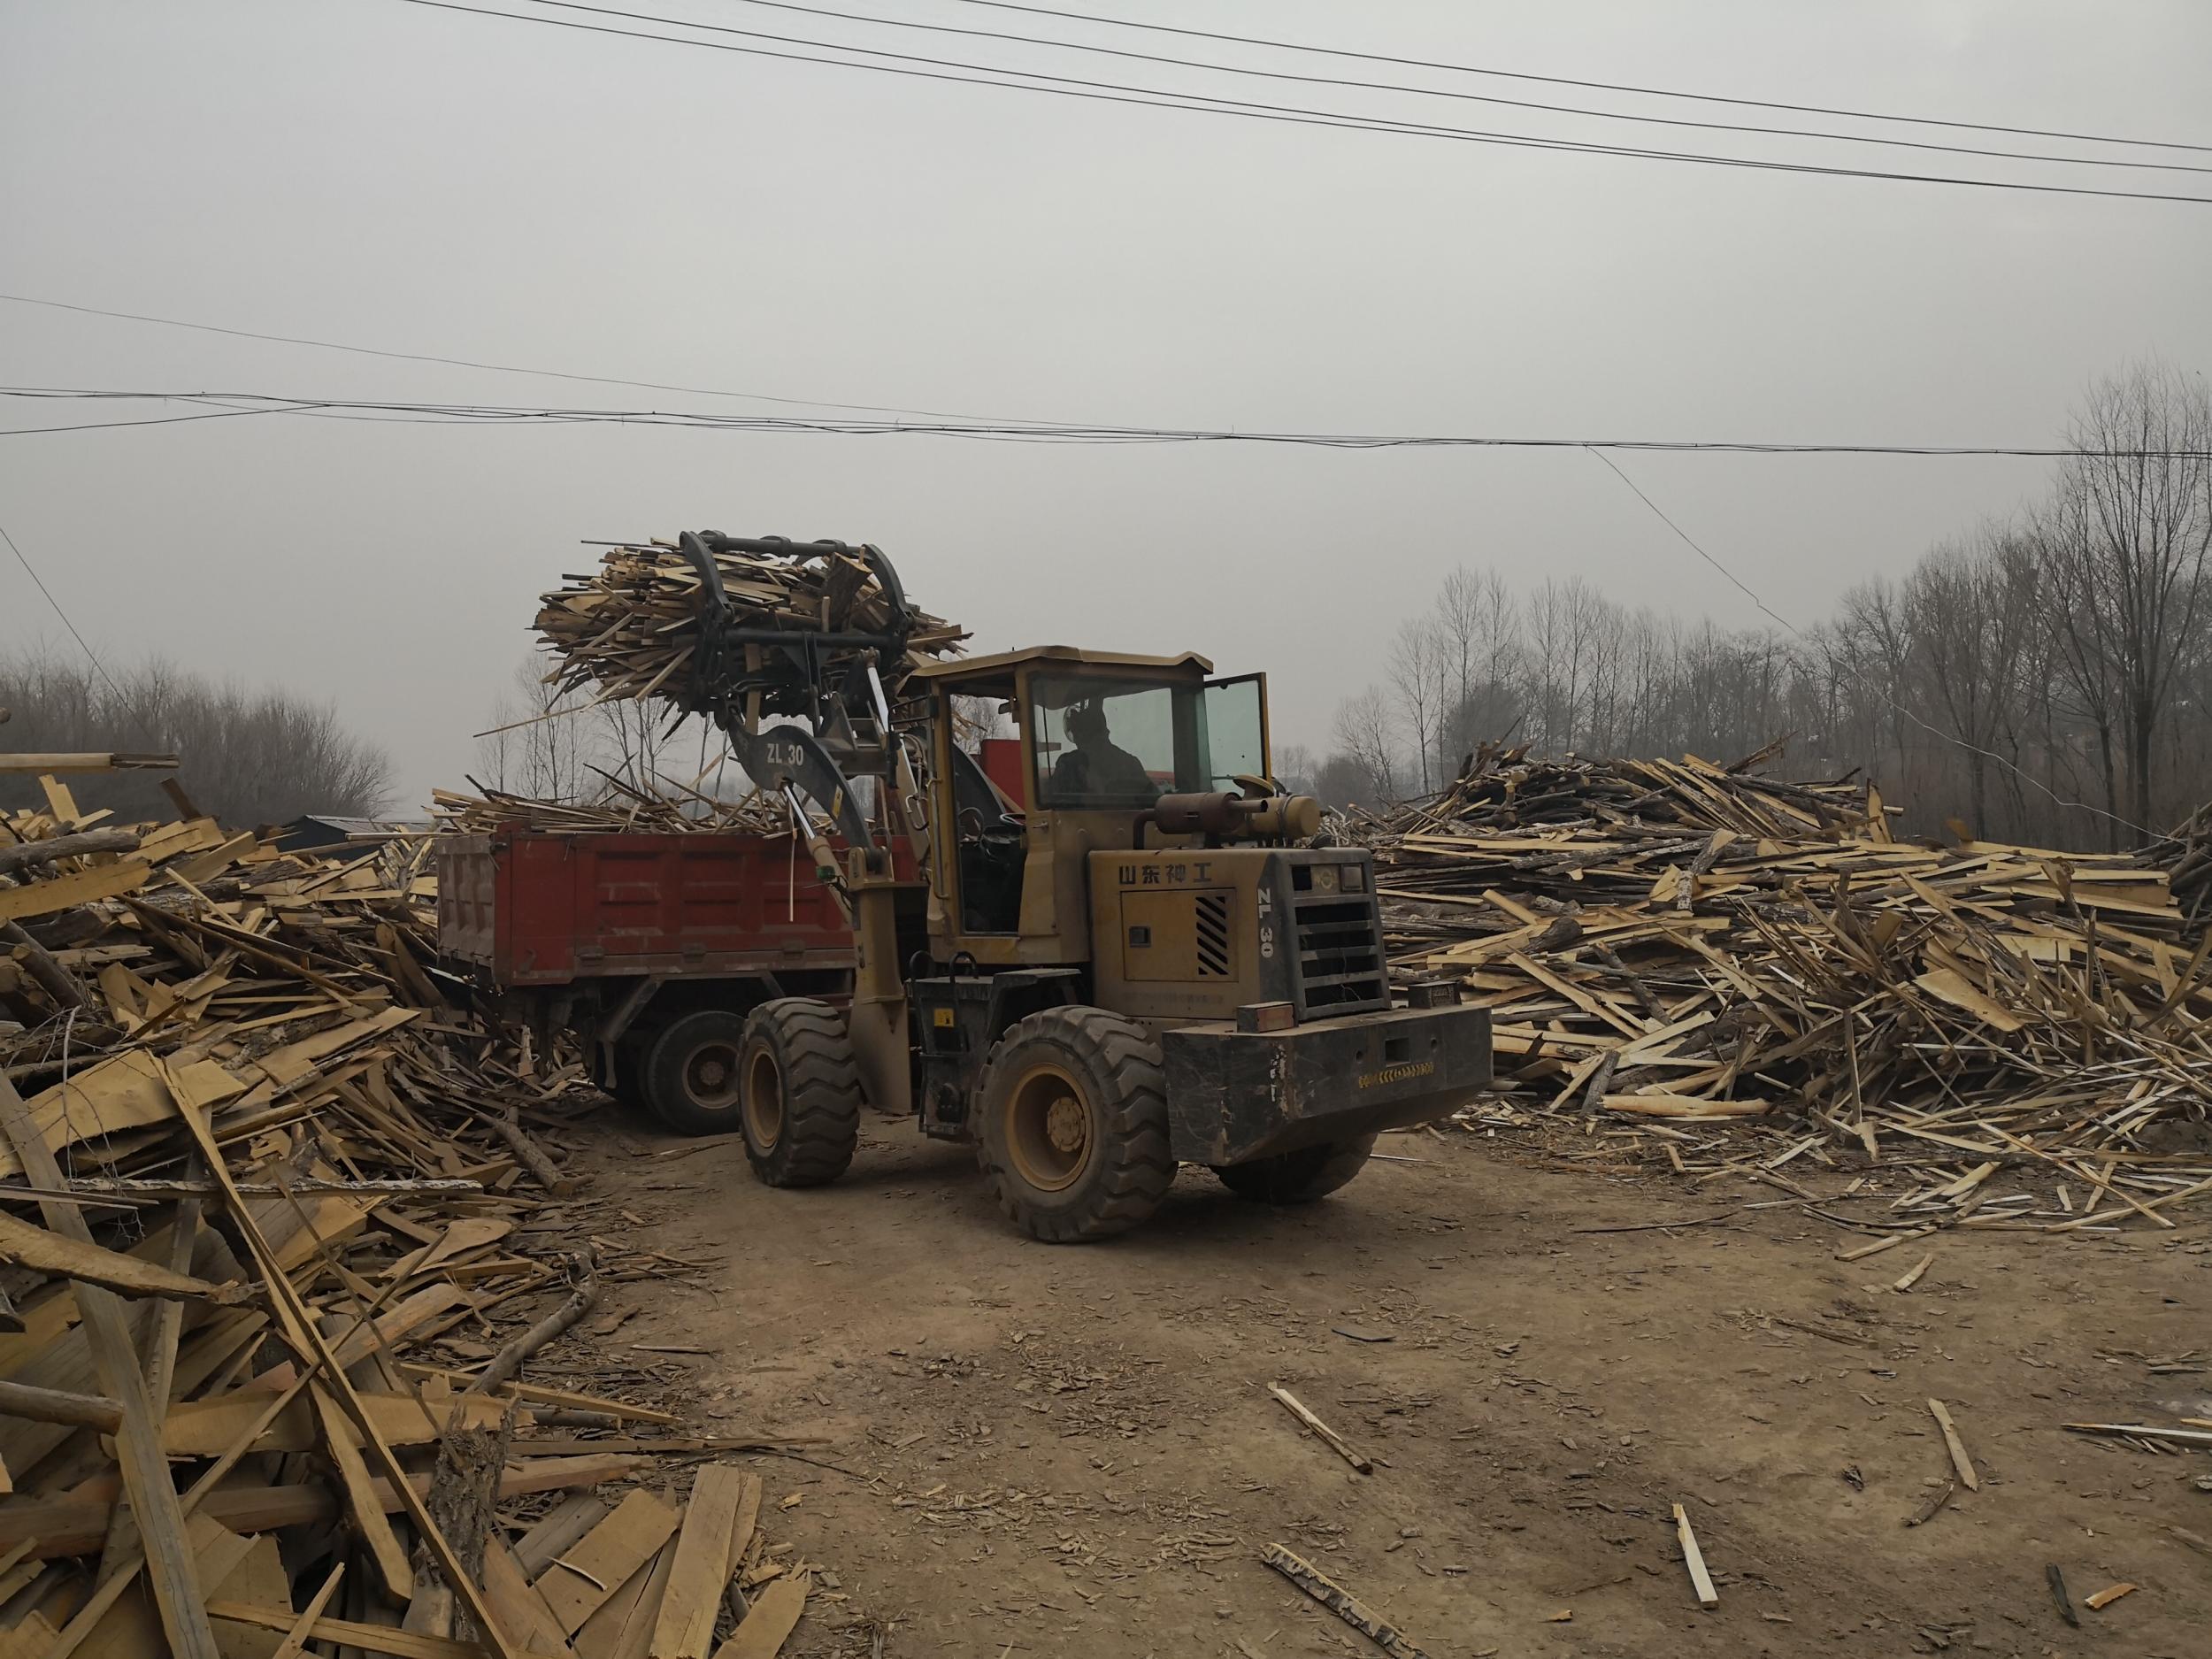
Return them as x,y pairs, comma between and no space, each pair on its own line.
540,907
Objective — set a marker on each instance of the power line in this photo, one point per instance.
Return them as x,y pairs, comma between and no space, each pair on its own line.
1387,86
233,403
1155,97
1594,86
1865,676
469,362
92,656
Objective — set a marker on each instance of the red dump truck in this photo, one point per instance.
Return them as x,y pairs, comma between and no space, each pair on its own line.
652,947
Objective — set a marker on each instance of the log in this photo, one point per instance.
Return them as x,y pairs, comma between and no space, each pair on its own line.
90,1264
52,1405
533,1156
31,765
508,1360
1341,1601
99,841
56,980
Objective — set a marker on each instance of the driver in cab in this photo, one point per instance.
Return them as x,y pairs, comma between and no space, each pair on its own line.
1097,769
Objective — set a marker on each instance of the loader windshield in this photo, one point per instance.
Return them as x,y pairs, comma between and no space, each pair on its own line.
1109,742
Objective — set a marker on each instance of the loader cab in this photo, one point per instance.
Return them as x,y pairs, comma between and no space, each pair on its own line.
1101,736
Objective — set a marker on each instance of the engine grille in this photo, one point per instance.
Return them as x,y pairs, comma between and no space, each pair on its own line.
1340,968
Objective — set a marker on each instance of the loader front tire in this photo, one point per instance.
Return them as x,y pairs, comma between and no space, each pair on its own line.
1299,1177
1074,1133
799,1094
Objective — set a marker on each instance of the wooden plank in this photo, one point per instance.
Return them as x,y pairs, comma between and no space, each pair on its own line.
302,1633
83,886
521,1610
579,1582
684,1628
61,1527
146,1479
377,1638
125,1090
623,1628
1960,1461
557,1529
58,1254
768,1625
201,1428
336,1401
1693,1558
1328,1436
114,1625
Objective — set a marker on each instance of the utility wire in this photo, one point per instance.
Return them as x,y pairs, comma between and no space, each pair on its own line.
1865,676
91,655
233,403
1594,86
1396,86
495,368
1207,103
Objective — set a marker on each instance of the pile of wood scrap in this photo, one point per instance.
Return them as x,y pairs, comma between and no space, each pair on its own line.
629,811
633,626
280,1223
1679,943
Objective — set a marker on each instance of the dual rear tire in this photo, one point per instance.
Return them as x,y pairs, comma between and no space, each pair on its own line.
783,1076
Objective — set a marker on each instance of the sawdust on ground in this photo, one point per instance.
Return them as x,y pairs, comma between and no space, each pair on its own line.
1072,1451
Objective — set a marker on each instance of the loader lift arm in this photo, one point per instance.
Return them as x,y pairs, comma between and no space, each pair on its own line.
742,673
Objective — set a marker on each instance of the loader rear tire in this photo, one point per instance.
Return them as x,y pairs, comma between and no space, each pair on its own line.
1299,1177
799,1094
1074,1131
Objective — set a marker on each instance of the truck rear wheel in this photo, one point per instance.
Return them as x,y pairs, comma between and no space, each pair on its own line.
799,1093
1074,1131
1299,1177
689,1072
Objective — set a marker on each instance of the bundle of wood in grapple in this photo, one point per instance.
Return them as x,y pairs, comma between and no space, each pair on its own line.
281,1223
1683,942
633,626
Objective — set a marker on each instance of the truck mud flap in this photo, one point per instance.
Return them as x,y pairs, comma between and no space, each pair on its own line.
1234,1095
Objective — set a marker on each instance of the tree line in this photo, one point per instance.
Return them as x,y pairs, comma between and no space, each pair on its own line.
249,755
2045,678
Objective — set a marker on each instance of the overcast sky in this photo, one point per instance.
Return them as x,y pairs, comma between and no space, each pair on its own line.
391,175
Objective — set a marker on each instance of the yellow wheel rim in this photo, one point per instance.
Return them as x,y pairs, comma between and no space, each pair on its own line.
1049,1135
764,1098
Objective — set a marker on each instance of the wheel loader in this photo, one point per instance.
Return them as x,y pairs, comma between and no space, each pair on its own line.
1123,959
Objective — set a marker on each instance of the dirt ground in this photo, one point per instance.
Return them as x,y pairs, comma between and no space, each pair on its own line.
1073,1451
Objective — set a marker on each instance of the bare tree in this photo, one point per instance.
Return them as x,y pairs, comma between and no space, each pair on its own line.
1420,673
1296,768
248,757
1362,732
1971,609
2128,535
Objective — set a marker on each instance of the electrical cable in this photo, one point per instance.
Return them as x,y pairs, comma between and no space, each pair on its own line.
91,655
495,368
1153,97
1594,86
1866,675
1387,86
233,403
